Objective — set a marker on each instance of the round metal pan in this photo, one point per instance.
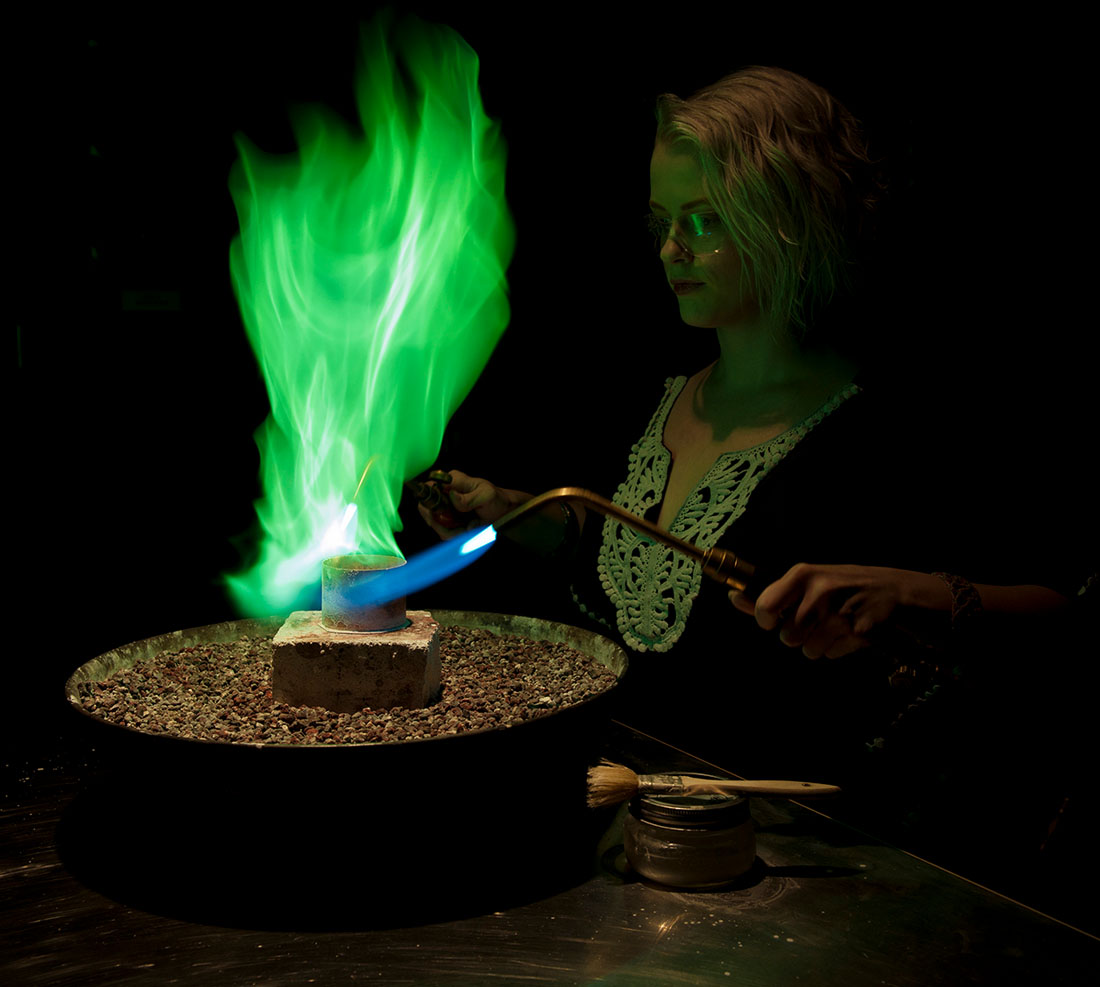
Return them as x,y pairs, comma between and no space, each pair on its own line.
248,833
101,668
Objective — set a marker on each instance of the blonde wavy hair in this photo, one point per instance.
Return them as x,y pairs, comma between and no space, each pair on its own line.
786,169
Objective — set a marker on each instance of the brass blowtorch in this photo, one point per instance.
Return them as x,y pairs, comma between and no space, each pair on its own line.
719,564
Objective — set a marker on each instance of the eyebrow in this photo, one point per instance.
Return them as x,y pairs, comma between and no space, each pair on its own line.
685,206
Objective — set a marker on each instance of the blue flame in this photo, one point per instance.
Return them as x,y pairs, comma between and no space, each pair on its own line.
480,539
425,569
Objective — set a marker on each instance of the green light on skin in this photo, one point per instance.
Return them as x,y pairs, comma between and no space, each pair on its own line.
370,274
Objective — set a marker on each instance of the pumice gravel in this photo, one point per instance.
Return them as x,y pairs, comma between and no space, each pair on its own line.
222,692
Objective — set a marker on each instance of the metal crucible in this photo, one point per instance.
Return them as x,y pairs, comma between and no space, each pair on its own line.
341,576
349,656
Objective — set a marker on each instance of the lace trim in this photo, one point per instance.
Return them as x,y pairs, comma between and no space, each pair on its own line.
653,587
589,612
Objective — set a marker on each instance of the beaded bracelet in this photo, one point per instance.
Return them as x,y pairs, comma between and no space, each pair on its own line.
966,601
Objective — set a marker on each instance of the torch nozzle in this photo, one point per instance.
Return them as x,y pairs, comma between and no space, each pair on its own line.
719,564
431,497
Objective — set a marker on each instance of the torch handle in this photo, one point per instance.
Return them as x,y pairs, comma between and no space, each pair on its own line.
719,564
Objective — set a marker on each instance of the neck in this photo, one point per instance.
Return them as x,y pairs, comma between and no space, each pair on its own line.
760,357
763,377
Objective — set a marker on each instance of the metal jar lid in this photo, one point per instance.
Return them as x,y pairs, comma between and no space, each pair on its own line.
691,811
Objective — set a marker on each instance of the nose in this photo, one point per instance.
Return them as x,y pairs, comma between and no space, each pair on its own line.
672,250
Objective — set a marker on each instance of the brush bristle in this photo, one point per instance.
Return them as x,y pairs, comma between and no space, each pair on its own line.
610,784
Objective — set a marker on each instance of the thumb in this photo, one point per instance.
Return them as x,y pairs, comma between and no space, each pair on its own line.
742,602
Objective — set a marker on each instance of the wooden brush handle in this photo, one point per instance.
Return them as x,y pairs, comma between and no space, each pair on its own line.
670,784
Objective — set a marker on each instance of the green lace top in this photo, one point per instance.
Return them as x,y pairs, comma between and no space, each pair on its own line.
653,587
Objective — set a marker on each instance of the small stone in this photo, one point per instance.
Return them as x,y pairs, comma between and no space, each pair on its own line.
483,687
345,671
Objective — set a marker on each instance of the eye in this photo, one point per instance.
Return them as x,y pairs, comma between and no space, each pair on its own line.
659,226
704,223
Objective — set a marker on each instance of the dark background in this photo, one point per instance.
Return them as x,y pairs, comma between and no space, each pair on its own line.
136,394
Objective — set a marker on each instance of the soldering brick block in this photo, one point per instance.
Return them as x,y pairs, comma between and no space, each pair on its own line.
346,672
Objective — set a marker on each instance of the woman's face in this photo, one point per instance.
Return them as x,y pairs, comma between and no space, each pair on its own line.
703,271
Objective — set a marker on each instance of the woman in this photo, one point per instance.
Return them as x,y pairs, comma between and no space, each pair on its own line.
762,199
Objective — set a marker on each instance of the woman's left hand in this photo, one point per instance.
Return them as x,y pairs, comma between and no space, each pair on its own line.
830,610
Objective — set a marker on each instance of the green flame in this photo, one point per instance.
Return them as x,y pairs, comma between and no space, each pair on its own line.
370,272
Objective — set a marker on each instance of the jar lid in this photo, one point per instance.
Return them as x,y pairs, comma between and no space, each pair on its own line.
691,811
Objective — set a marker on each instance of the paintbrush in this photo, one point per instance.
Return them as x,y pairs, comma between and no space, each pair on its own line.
610,784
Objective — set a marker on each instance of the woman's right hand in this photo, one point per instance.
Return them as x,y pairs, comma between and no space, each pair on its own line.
480,500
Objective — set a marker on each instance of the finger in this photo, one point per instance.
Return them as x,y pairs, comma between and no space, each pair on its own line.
443,532
817,602
866,612
808,618
852,603
483,495
460,481
474,495
467,500
459,487
779,596
846,645
831,636
793,635
865,622
825,611
742,602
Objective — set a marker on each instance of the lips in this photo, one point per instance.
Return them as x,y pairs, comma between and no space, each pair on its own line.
682,287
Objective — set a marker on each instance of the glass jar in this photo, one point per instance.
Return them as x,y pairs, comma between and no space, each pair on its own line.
690,841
